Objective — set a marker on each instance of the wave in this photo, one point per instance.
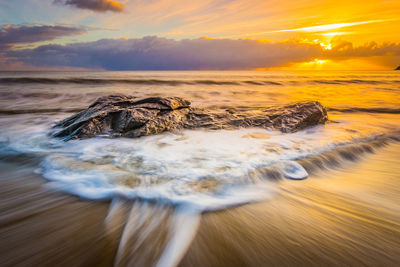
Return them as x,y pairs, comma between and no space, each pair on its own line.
75,80
337,157
74,110
23,80
39,80
382,110
366,110
40,110
354,81
262,83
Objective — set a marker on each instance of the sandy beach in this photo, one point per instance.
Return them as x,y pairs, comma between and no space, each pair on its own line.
346,216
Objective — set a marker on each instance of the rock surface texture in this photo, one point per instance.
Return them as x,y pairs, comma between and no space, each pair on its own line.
134,117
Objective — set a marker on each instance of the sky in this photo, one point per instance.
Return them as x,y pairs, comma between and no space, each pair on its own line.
199,35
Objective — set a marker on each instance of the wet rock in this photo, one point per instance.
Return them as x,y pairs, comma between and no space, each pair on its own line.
124,116
288,118
133,117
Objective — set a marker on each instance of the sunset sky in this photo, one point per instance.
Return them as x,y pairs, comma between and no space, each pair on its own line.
178,34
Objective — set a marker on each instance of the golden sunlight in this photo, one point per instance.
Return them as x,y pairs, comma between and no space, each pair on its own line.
326,46
329,65
321,28
333,34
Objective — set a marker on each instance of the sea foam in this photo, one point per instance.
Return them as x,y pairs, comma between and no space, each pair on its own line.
207,170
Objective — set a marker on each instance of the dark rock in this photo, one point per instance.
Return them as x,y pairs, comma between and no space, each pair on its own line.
398,68
131,117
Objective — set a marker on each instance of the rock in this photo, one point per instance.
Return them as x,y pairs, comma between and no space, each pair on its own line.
132,117
398,68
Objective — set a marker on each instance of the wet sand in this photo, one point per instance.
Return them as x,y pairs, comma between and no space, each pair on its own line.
347,216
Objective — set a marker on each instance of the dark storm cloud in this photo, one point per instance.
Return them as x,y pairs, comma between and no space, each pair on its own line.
95,5
154,53
11,35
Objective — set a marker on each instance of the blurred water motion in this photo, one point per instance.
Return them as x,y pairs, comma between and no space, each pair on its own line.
347,216
345,213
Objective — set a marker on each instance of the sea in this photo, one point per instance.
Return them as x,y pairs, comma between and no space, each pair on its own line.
201,169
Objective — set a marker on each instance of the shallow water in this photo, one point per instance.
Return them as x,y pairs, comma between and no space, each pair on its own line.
191,171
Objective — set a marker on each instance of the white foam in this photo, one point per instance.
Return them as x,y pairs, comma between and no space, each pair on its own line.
174,166
206,170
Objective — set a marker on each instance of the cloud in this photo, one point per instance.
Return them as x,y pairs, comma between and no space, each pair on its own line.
155,53
12,35
94,5
345,49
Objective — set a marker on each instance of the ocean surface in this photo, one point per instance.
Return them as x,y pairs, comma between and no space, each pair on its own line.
200,169
323,195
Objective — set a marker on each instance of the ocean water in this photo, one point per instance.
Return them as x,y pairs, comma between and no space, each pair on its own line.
196,169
